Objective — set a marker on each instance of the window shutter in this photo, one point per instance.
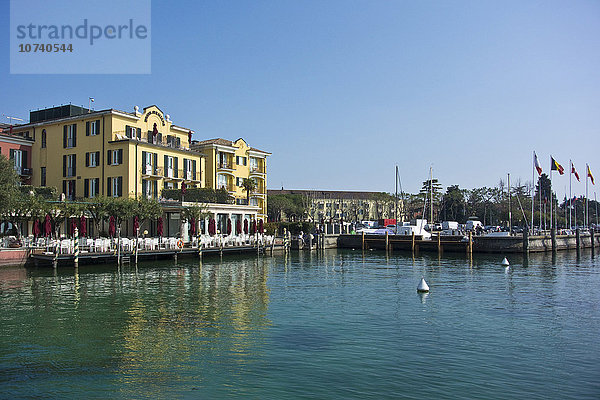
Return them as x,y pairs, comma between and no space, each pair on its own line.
120,186
74,135
65,187
175,167
97,186
97,158
108,187
65,137
194,169
64,167
108,157
154,162
74,164
144,162
159,138
87,160
144,186
139,133
120,156
86,188
178,142
155,189
166,165
87,130
127,131
12,154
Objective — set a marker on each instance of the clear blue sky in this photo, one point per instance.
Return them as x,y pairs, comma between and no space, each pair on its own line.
342,91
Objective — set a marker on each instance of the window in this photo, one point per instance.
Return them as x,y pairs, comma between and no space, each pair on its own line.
239,160
253,201
114,186
19,160
253,164
170,185
43,138
133,133
223,161
239,181
43,177
173,141
92,128
171,165
149,188
189,169
69,165
115,157
92,159
92,187
241,202
149,163
69,136
69,189
221,181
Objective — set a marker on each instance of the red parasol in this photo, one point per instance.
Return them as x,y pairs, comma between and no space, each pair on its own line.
253,227
159,227
47,226
212,229
183,186
261,228
73,225
82,226
193,227
246,226
111,226
36,228
238,226
136,224
229,226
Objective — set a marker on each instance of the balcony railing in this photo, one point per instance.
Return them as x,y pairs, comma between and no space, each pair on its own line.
229,187
257,170
225,165
147,138
150,170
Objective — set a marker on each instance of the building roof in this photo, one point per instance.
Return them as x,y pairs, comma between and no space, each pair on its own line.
333,194
222,142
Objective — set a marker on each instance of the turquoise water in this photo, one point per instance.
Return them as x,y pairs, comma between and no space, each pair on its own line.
334,325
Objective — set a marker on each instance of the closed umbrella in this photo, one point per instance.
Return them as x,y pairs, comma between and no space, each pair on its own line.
136,224
159,227
73,225
82,226
212,229
261,228
246,226
193,227
238,226
154,134
229,226
47,226
253,227
36,228
111,226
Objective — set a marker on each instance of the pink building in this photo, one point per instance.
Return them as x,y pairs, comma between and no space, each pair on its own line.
17,148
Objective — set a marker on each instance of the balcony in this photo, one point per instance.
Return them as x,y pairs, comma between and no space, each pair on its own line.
229,187
227,164
190,176
23,171
147,138
149,171
257,170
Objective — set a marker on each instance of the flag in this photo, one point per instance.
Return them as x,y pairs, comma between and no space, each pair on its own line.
92,99
574,171
589,173
537,164
555,166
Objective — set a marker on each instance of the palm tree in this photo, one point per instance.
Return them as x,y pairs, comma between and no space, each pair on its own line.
249,186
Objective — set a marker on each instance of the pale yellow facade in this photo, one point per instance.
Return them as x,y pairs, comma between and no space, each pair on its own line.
229,163
113,153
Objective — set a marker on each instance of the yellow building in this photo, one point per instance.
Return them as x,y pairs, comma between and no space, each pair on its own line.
229,163
110,152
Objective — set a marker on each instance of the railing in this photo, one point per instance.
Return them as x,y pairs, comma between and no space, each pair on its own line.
225,165
257,170
229,187
26,172
147,138
149,170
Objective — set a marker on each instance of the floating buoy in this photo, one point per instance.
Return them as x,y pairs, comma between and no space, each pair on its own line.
505,262
423,287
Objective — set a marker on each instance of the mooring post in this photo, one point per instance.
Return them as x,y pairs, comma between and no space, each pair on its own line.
310,241
470,245
412,246
363,240
55,260
76,245
553,238
577,239
137,238
387,241
439,243
525,241
119,245
592,240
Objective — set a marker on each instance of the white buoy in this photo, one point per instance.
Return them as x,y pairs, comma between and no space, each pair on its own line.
423,287
505,262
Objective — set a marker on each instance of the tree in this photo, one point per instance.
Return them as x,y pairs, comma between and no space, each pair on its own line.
147,209
453,204
9,181
431,189
249,185
98,210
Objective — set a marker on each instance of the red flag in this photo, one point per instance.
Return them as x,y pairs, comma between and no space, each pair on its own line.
537,164
589,173
574,171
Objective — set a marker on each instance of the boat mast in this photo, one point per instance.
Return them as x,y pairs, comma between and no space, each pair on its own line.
431,193
396,198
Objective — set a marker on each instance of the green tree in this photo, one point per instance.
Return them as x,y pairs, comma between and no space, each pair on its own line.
249,186
147,209
9,181
453,204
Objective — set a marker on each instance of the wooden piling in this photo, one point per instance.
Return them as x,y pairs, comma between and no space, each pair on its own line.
553,238
577,239
439,243
592,241
525,241
470,244
363,240
412,242
387,241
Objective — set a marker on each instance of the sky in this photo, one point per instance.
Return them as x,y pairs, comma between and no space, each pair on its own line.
340,92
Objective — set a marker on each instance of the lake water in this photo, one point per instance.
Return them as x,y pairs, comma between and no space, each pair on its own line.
334,325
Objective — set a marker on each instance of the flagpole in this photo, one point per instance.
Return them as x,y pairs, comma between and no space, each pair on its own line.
532,193
586,211
551,193
540,194
571,173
